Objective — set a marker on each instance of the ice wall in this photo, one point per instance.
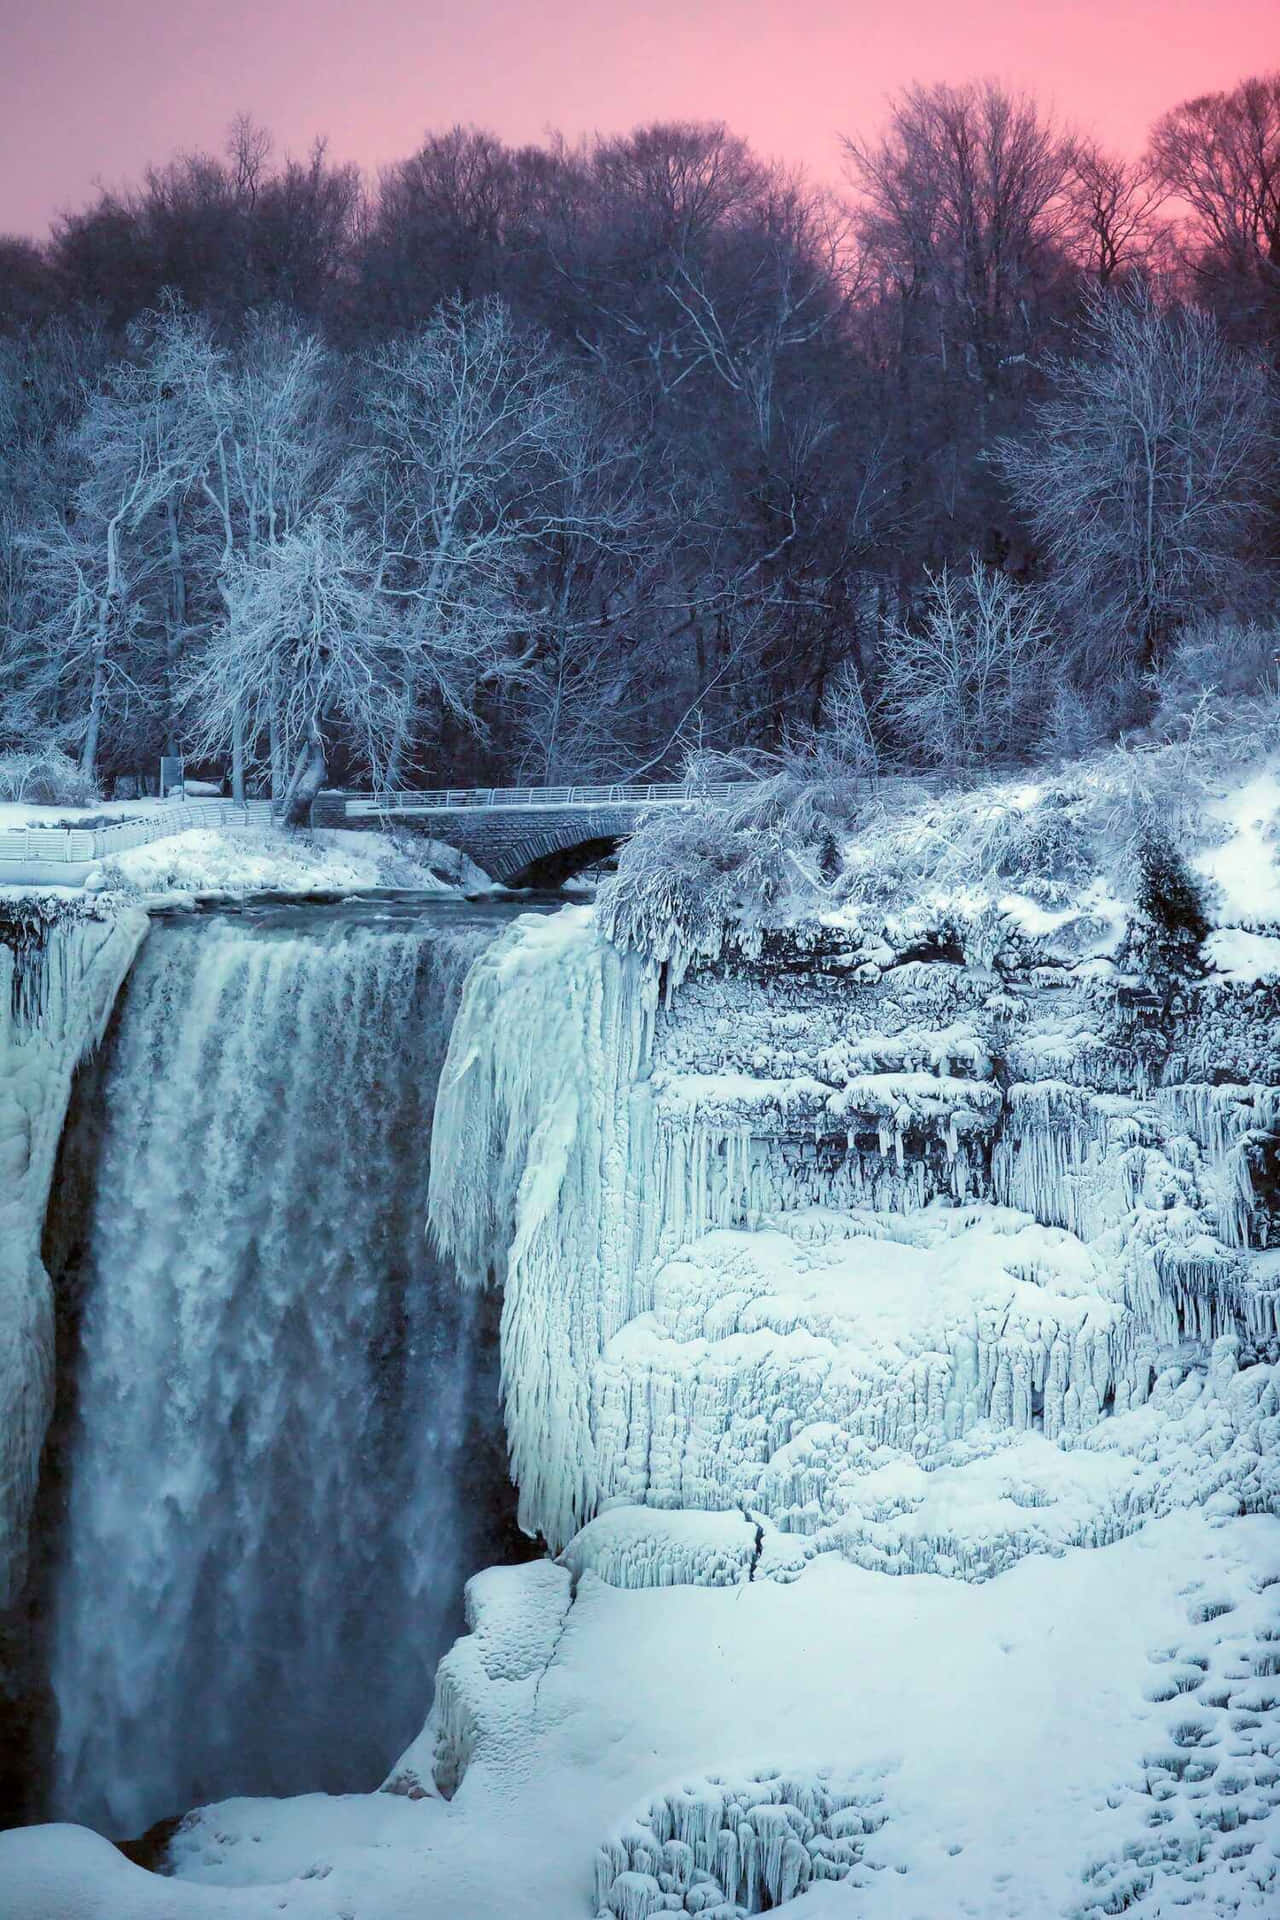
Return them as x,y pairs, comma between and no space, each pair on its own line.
801,1236
269,1504
60,971
541,1152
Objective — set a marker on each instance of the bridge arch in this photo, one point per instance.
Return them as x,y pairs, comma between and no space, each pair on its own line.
522,837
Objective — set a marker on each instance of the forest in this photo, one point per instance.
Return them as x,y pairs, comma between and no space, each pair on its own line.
577,462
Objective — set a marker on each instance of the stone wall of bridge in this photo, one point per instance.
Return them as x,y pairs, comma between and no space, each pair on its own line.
516,845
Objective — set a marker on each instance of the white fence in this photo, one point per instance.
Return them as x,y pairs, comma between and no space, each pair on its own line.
80,847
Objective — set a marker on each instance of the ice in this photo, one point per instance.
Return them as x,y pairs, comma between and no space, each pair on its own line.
60,971
541,1138
1058,1242
745,1845
651,1547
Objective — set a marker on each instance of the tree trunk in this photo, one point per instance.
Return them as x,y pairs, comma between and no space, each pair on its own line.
237,757
309,777
89,751
177,621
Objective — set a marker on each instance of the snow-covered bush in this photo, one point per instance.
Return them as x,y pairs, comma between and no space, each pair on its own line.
1046,844
45,778
1227,657
717,871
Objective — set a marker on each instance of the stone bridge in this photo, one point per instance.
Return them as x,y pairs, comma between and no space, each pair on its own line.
522,836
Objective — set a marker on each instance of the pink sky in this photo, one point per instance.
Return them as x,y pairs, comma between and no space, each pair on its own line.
93,92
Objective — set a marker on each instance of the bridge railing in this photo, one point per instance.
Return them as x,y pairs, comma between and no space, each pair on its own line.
455,799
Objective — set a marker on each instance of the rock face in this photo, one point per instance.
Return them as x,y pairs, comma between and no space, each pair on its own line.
60,971
860,1247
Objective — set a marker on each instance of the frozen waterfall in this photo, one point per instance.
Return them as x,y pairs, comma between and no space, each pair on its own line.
277,1396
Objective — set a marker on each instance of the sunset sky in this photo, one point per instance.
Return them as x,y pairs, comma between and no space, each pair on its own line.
94,93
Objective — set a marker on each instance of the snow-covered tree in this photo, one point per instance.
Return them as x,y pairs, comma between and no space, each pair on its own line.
1144,474
478,421
306,652
267,415
138,448
966,684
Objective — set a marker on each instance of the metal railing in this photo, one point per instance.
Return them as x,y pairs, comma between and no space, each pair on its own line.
81,846
455,799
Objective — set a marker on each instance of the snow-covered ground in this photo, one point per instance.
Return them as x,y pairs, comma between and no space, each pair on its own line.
1091,1715
1054,856
24,813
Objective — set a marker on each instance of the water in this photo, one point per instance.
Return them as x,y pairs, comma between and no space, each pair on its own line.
279,1457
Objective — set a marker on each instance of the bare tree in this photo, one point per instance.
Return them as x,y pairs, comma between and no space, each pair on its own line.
1116,203
1144,474
963,204
1220,154
966,685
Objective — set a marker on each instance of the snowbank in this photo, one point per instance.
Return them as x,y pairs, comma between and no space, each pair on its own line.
1015,1750
265,859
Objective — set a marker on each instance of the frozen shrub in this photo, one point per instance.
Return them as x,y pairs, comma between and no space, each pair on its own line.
688,880
45,779
693,880
1047,844
1230,658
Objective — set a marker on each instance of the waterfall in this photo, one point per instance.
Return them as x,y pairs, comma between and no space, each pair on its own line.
268,1516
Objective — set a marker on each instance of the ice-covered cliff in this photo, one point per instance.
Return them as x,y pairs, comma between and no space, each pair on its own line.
60,971
830,1242
938,1257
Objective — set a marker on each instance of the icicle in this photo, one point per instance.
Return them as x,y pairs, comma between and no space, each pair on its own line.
59,977
540,1133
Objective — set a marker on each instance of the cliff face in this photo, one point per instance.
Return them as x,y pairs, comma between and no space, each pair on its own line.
60,971
864,1240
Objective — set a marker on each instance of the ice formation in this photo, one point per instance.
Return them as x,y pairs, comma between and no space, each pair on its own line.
793,1243
59,975
540,1141
728,1848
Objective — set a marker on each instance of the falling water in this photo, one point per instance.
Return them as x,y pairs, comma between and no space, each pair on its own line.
268,1515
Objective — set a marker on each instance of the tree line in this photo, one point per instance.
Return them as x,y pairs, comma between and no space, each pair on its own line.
530,464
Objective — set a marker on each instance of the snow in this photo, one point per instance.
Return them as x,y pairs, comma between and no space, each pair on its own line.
1244,867
261,859
999,1742
22,813
1243,957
